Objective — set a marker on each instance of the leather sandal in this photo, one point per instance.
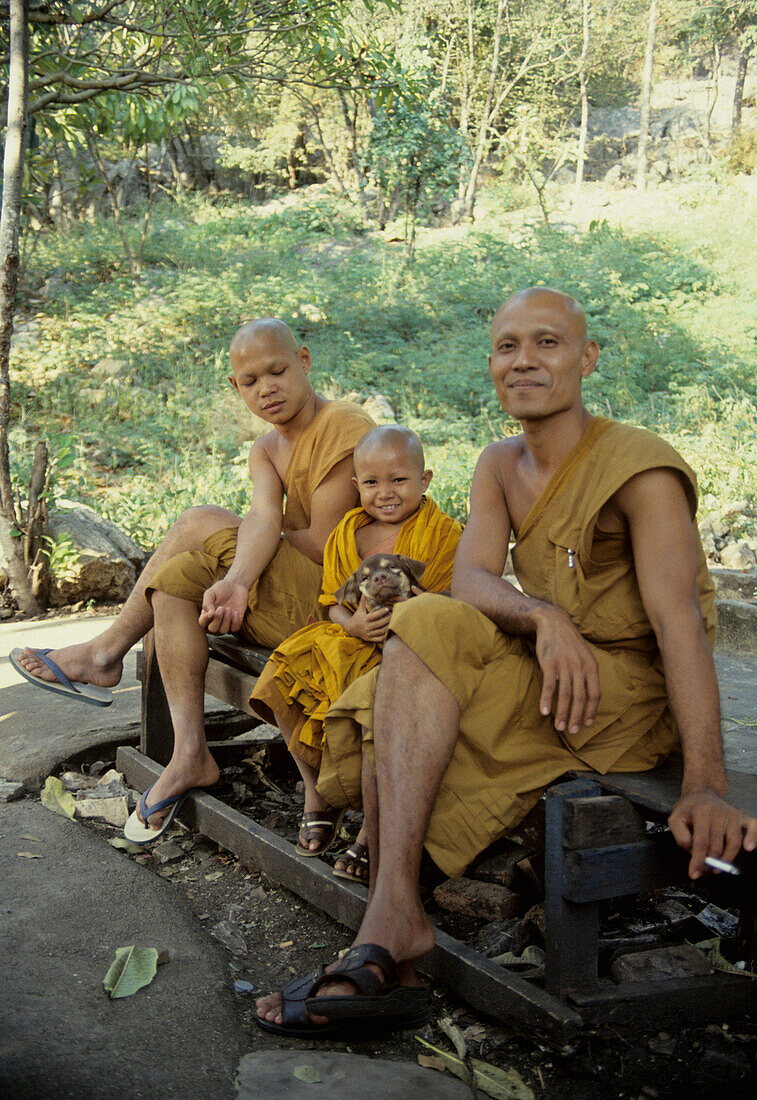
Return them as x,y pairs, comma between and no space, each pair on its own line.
377,999
357,858
320,825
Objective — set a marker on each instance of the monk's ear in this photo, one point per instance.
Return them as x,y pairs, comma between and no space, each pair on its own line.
349,592
416,569
426,479
305,360
590,358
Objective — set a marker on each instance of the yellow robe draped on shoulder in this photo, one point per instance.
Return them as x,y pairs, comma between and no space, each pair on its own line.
312,668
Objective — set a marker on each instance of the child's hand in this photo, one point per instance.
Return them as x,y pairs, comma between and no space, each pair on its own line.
371,626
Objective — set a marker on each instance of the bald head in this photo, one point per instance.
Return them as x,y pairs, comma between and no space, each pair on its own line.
265,329
391,437
561,306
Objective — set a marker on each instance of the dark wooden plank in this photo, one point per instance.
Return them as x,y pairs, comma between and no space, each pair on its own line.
250,658
486,986
156,736
571,931
659,790
610,872
599,821
230,684
651,1005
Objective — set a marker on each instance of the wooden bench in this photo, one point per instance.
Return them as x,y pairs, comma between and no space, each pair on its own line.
597,845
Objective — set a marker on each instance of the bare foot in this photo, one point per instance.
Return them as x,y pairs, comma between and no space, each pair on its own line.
180,775
82,663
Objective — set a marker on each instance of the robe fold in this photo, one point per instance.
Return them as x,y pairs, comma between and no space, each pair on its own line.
311,669
284,596
506,752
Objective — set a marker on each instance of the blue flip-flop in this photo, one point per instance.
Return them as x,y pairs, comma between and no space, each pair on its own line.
139,832
86,693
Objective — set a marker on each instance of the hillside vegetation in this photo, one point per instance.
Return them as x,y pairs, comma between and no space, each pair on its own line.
671,303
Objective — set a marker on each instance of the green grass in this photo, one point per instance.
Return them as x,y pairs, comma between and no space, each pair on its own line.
674,317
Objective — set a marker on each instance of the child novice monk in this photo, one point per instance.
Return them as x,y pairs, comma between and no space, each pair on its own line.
311,669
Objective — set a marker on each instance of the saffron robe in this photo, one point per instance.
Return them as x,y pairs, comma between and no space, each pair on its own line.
283,597
506,752
310,670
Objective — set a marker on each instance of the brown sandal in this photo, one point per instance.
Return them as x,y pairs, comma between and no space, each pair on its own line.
320,825
357,857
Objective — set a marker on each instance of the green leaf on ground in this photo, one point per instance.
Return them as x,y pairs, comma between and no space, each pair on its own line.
500,1084
711,951
307,1074
55,798
132,968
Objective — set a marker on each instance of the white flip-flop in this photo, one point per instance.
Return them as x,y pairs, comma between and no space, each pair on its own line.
86,693
139,832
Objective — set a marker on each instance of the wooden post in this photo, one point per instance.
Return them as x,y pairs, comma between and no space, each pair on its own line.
156,739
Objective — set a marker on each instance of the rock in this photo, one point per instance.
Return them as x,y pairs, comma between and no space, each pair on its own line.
709,545
661,168
106,561
496,937
734,584
10,791
229,936
737,625
661,964
739,555
378,407
75,781
167,852
113,809
330,1075
499,869
97,768
476,899
614,175
111,368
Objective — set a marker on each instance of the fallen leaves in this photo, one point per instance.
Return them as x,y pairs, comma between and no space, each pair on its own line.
500,1084
54,797
132,968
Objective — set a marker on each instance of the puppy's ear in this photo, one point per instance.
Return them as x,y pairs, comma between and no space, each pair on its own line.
416,569
349,592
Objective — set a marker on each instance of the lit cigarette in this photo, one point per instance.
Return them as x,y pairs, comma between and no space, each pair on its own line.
721,865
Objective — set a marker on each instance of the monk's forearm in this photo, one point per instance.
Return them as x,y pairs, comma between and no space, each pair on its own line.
511,610
692,688
340,614
258,537
308,542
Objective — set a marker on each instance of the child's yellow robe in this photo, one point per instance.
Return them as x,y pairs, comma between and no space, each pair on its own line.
312,668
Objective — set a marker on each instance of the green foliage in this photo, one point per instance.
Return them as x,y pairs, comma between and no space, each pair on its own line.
62,556
740,155
673,317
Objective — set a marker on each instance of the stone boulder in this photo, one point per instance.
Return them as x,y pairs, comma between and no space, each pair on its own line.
377,406
107,564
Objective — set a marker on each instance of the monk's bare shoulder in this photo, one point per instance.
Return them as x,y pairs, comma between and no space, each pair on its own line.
499,460
266,455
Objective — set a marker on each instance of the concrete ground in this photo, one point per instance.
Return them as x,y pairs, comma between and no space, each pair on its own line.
69,900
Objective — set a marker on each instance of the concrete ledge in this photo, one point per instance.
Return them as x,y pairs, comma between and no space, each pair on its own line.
737,626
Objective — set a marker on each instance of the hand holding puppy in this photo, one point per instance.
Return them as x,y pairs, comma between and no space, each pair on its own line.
371,626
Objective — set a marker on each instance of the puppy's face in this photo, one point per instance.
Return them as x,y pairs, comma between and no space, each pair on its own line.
383,579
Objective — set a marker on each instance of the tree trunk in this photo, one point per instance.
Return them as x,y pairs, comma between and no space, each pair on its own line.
738,92
713,88
646,96
486,120
13,170
584,84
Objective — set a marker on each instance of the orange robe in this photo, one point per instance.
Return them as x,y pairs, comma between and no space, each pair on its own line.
310,670
285,594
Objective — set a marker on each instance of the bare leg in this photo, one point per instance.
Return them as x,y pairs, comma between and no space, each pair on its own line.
412,754
368,835
314,802
182,650
100,661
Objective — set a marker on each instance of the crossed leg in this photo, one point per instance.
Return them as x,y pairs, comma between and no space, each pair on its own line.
412,750
100,661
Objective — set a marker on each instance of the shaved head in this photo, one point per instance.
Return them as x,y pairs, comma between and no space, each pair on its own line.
553,301
265,328
391,436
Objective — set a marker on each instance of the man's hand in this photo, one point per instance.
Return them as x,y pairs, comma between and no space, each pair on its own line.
704,824
371,626
223,607
569,667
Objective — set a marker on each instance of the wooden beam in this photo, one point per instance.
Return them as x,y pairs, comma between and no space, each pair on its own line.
610,872
600,820
485,985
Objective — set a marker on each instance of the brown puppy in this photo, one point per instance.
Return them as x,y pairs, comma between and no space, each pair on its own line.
384,579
